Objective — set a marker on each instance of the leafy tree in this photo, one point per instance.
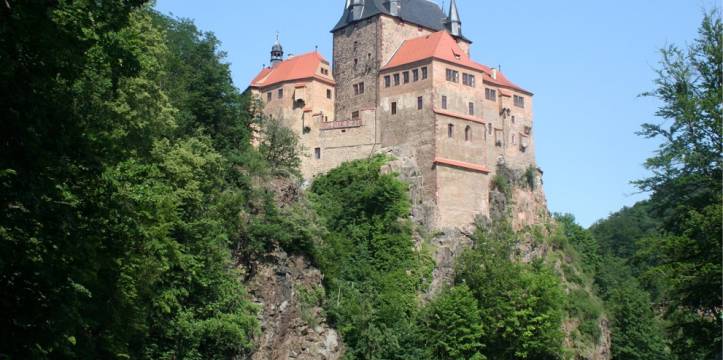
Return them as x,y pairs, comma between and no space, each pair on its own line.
279,146
520,305
686,188
583,242
372,272
451,326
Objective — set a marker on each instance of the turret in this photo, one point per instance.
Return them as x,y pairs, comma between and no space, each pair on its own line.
454,23
355,9
277,52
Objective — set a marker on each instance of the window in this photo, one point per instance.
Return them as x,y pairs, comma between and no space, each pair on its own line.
394,108
420,103
317,153
406,77
519,101
268,96
396,79
387,81
358,88
356,44
468,133
450,131
468,79
356,62
415,75
324,71
444,102
489,128
490,94
361,88
471,108
424,73
328,93
355,115
514,140
452,75
281,93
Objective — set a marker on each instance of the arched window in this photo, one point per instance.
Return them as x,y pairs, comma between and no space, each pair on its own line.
468,133
450,130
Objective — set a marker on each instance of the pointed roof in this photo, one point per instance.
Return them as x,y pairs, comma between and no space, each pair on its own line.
442,46
300,67
454,12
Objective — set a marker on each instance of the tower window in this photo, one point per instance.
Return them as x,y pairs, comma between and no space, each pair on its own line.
396,79
468,79
490,94
281,93
468,133
406,77
424,73
356,62
519,101
415,75
444,102
317,153
394,108
356,44
450,131
471,108
420,103
387,81
452,75
328,93
358,88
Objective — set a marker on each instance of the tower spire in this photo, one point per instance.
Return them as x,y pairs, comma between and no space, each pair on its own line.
454,23
277,52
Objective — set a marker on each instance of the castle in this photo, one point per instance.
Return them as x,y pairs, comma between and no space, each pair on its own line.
402,76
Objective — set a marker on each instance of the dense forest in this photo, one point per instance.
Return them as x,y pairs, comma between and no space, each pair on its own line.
134,208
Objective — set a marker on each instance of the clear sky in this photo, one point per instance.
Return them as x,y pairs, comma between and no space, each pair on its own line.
585,60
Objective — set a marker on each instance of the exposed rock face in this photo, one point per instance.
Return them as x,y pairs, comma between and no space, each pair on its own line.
291,326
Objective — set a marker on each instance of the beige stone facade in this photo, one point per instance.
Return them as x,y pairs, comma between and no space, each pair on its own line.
460,127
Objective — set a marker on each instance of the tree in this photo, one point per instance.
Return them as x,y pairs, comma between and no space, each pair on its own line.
686,188
451,326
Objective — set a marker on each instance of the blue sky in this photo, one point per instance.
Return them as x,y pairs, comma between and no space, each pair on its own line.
586,62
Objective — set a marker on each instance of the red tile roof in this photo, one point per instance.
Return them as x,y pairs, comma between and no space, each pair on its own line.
442,46
305,66
462,165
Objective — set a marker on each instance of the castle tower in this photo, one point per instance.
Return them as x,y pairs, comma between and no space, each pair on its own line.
454,23
277,52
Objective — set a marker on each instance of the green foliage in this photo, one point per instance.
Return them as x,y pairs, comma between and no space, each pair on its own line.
372,272
520,305
502,183
118,204
531,177
582,241
280,147
451,327
686,189
582,306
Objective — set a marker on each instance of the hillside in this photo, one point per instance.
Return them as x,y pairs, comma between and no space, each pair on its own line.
140,220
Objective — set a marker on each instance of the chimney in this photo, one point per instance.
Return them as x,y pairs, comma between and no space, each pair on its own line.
494,74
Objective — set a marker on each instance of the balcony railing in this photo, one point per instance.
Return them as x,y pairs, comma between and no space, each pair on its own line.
344,124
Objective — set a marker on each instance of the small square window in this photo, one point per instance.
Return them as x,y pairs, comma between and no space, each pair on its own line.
394,108
355,115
